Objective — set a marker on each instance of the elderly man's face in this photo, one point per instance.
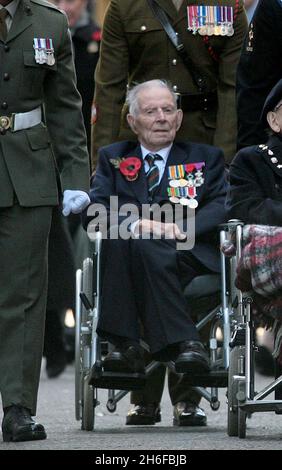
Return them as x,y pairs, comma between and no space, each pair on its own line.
157,120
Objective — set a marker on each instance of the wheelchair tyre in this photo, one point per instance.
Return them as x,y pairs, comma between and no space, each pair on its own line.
233,388
78,357
242,415
111,406
82,342
88,409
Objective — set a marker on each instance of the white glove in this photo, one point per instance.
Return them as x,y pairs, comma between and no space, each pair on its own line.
74,201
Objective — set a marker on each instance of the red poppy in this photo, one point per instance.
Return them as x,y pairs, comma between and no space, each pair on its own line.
129,167
96,36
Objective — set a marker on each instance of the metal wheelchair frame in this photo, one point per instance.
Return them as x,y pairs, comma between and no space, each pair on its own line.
233,316
243,400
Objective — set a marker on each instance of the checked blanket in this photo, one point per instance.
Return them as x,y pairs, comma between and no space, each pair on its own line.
259,273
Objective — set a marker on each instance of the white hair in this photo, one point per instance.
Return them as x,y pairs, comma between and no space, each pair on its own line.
133,94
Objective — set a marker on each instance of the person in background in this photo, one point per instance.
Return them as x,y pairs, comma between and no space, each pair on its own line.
86,37
259,69
136,48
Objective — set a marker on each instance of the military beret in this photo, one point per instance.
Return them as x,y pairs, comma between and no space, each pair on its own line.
271,101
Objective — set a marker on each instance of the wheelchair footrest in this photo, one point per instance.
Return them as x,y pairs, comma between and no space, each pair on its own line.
117,381
216,378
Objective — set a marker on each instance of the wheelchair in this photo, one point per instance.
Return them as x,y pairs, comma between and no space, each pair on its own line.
243,399
215,302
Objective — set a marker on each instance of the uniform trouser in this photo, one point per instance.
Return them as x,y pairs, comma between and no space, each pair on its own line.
23,283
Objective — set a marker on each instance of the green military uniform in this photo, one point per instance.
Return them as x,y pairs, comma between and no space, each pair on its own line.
32,160
135,48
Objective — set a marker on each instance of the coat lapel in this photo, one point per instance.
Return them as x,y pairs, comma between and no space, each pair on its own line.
139,186
21,21
176,156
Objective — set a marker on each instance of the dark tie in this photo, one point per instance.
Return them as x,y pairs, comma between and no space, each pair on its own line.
153,173
3,26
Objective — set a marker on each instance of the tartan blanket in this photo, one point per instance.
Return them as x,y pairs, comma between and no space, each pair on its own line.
259,272
260,267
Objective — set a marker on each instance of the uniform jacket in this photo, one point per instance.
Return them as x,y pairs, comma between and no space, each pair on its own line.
30,159
86,42
109,181
255,194
259,69
135,48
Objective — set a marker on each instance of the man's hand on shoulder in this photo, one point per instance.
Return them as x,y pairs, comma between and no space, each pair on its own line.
74,201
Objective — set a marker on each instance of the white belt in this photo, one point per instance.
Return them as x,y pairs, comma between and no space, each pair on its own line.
18,121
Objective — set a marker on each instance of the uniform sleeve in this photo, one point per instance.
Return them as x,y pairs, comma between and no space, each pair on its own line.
246,199
258,70
226,124
110,81
64,117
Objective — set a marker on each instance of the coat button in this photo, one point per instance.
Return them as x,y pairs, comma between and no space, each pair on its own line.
174,88
143,28
4,105
174,62
6,77
6,48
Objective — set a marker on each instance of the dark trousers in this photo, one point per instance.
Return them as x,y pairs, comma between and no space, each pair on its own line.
178,389
141,282
23,281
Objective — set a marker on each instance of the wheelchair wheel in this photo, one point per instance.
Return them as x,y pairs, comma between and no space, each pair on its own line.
236,354
83,392
88,409
242,415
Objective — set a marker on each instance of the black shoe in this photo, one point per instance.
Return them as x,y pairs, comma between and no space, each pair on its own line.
187,414
18,425
128,361
144,415
193,358
56,365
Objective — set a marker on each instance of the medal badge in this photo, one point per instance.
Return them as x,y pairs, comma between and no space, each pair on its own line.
183,183
210,20
43,51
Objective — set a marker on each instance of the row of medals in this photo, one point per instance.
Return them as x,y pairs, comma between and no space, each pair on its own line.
208,24
43,54
181,184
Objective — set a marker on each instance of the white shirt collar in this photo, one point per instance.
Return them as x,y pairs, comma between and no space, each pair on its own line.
162,152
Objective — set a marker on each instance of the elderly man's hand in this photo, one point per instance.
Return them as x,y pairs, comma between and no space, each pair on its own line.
160,229
74,201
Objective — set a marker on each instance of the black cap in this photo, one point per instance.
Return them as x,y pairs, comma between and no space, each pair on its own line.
271,101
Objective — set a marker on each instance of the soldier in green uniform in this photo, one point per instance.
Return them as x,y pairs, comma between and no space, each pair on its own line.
42,154
135,48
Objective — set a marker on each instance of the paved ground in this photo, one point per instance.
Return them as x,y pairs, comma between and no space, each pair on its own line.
56,412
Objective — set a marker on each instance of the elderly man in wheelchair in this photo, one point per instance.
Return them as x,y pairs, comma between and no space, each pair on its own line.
175,194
